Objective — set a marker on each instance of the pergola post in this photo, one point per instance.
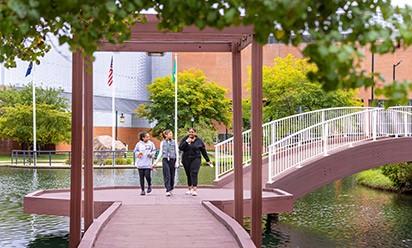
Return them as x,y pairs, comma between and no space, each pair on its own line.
88,143
76,149
237,132
256,187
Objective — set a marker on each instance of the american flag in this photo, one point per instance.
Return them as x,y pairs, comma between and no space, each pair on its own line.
110,77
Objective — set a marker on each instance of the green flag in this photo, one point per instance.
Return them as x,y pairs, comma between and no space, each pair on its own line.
174,70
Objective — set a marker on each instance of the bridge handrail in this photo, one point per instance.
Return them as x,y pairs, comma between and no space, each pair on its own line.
321,123
273,131
295,149
294,116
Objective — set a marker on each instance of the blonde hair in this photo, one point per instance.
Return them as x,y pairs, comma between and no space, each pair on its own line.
165,133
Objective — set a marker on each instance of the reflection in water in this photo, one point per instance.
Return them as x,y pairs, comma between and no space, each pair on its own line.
342,214
354,217
18,229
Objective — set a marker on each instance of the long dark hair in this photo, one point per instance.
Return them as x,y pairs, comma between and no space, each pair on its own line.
142,134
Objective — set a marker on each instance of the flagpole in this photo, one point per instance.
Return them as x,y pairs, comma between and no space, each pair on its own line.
175,76
113,114
34,118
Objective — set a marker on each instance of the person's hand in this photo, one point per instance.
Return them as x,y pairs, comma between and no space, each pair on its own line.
153,167
210,164
189,140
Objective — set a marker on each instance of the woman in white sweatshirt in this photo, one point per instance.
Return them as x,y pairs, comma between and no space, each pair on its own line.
144,152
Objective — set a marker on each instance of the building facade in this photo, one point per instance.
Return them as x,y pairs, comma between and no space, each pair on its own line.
132,72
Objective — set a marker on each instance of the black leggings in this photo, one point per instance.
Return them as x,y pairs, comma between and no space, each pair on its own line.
145,173
169,173
192,166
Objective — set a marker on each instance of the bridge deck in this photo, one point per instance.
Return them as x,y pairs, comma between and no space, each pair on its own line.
158,221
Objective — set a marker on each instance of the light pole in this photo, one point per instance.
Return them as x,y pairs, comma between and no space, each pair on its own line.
121,119
192,120
394,69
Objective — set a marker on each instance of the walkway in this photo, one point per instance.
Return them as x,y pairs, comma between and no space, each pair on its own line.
158,221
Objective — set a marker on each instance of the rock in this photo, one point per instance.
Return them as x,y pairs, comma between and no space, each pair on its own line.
104,144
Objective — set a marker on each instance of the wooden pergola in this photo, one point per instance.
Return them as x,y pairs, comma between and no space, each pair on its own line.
147,38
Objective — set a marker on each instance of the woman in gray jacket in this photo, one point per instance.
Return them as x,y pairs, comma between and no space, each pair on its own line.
168,151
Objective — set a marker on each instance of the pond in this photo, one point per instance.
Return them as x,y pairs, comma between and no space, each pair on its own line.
341,214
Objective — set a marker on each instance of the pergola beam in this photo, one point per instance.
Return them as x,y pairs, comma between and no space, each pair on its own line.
189,37
155,46
237,132
151,25
88,143
76,148
257,134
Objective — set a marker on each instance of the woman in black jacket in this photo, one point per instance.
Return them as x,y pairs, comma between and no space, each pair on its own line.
192,148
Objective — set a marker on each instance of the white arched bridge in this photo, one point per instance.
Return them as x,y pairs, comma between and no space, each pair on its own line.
306,151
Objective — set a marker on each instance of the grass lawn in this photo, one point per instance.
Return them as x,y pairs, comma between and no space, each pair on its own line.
5,158
375,179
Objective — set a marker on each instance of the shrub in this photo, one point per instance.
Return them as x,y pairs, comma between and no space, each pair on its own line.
400,174
108,161
120,161
375,179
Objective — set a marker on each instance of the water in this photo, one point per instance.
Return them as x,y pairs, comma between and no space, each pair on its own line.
342,214
18,229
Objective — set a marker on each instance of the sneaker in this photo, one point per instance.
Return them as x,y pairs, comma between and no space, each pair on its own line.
194,193
168,194
149,190
189,192
142,193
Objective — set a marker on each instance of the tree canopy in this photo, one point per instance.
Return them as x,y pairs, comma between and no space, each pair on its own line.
11,96
198,98
338,29
287,90
16,116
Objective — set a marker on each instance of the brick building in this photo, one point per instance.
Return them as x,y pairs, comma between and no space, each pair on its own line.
217,66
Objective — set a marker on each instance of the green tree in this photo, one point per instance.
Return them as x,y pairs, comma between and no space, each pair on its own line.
16,116
287,90
11,96
204,130
198,98
339,30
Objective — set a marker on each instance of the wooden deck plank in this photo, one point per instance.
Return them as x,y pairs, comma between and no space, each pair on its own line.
164,225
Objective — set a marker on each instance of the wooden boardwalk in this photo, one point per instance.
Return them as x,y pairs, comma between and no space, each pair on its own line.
157,221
